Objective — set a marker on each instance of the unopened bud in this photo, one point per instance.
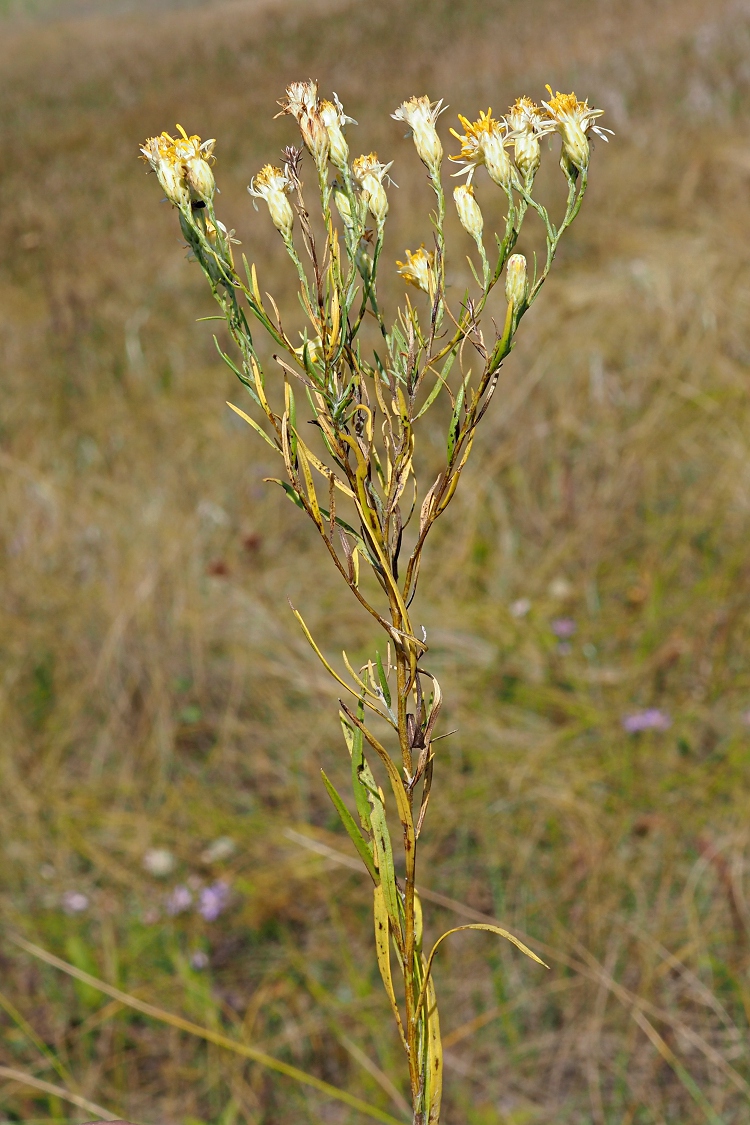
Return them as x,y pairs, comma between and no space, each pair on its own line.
516,282
200,179
343,206
528,155
469,213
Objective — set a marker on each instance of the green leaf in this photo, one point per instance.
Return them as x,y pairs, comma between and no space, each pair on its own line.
455,425
383,852
439,384
355,835
359,784
383,681
292,493
251,422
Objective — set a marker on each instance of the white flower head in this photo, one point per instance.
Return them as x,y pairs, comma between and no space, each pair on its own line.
159,862
183,166
573,120
469,214
335,121
419,270
302,103
527,123
484,142
420,114
170,172
273,185
368,174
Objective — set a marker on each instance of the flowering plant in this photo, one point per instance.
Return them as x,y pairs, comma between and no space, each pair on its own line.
356,477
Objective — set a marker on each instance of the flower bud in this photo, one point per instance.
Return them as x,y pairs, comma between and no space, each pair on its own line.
343,206
420,115
469,213
528,155
516,282
272,185
200,178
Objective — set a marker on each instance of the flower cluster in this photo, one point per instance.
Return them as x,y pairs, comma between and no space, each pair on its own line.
486,140
183,167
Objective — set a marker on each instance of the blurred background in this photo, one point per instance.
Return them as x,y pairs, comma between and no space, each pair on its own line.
587,598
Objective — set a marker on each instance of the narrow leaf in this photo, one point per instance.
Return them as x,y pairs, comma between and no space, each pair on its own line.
383,950
354,834
251,422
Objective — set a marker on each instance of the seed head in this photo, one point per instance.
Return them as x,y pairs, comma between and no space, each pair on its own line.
573,120
469,213
516,282
302,103
420,114
418,270
272,185
484,142
368,174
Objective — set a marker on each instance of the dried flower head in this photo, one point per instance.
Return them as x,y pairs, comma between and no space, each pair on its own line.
573,120
527,122
516,281
272,185
420,114
469,213
302,103
369,173
484,142
418,270
335,121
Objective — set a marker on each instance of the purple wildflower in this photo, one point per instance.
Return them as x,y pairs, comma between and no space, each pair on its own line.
74,902
650,719
178,900
199,960
563,627
213,901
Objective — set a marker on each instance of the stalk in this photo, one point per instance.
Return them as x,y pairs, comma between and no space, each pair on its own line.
353,470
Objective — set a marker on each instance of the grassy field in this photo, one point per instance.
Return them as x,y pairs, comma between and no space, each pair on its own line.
156,695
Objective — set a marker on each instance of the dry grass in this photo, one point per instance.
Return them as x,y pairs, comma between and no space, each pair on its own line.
146,644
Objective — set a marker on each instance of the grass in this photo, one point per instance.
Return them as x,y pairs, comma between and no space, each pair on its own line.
146,641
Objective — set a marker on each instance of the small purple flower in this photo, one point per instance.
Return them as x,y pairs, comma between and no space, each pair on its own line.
178,900
74,902
213,901
563,627
650,719
199,960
